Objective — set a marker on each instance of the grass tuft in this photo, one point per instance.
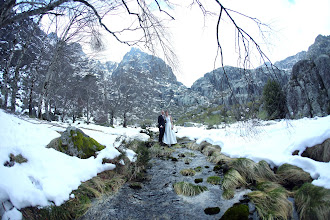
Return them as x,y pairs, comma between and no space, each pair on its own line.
313,202
188,189
232,179
215,180
291,176
271,201
188,172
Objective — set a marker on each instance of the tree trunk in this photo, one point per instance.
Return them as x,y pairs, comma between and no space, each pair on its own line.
125,120
16,78
48,78
6,75
30,99
112,115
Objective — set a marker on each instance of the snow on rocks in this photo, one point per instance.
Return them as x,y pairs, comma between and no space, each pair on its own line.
272,141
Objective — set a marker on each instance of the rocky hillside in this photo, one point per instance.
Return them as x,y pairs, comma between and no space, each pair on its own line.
242,85
153,86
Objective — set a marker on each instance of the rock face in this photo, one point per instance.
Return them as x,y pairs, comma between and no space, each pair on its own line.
319,152
154,85
308,89
75,142
240,86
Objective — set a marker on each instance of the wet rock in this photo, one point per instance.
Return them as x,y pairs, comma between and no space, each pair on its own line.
198,180
212,210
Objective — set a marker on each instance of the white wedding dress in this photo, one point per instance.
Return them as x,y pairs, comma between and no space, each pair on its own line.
169,136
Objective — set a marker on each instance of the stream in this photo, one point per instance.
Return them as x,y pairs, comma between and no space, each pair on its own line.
157,199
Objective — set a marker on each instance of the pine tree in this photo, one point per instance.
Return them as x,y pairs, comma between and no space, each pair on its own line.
274,100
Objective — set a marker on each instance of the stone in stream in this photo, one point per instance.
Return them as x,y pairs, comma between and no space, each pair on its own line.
212,210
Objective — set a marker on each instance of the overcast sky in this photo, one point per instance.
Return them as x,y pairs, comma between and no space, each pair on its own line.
294,26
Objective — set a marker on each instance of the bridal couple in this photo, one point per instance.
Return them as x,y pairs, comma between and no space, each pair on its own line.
166,133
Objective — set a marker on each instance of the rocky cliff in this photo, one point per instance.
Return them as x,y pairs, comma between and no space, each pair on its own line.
230,85
308,90
153,85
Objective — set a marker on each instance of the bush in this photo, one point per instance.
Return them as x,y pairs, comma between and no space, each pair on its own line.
274,100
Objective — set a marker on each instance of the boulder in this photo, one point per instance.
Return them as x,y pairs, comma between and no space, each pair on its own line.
319,152
75,142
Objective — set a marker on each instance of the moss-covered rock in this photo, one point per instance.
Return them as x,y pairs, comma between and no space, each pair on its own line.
212,210
237,212
188,189
313,202
215,180
75,142
291,176
198,180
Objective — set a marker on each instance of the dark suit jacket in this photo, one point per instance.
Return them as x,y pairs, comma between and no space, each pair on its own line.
161,121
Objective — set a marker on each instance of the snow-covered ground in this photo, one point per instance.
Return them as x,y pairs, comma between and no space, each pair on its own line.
51,176
48,175
272,141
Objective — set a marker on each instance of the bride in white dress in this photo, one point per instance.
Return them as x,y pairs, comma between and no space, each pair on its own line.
169,136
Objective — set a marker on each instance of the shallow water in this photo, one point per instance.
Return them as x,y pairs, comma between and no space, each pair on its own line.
157,199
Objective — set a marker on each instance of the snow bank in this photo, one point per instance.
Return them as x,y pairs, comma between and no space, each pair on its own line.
272,141
48,176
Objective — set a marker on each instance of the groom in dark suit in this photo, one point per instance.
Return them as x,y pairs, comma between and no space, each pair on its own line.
161,126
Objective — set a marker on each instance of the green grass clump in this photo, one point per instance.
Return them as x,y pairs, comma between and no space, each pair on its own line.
188,189
162,152
313,202
188,172
228,194
215,180
271,201
237,212
291,176
198,169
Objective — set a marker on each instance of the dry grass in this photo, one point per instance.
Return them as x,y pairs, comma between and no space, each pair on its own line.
252,171
271,201
219,158
188,189
313,202
232,179
208,150
194,146
188,172
291,176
